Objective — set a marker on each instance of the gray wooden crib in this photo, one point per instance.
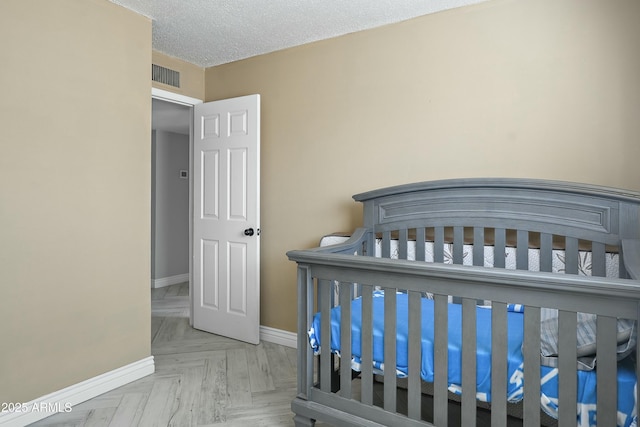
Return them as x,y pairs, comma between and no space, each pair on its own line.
455,285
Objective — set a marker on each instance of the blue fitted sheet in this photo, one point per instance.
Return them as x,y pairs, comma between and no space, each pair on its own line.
515,376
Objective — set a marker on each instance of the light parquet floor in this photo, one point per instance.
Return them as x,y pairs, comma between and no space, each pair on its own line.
200,380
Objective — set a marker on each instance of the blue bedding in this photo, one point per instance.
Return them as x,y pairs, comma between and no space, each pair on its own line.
549,375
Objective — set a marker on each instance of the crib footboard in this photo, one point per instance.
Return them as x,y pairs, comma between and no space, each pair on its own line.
369,317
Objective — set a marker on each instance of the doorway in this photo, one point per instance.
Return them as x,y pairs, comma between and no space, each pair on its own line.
226,179
171,200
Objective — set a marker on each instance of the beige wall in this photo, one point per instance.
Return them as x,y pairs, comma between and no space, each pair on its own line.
191,76
507,88
74,193
527,88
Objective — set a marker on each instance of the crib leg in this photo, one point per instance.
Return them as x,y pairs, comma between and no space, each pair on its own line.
301,421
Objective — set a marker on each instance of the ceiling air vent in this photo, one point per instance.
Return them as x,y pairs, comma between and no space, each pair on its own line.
165,75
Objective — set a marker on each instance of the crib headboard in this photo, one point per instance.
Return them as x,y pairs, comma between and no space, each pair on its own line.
552,210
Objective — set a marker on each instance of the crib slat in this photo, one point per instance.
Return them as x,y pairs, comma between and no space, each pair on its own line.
420,244
571,255
531,349
366,375
478,249
305,314
324,299
390,334
546,252
522,250
415,308
499,247
440,360
438,244
622,270
598,260
567,352
386,244
346,293
458,242
498,365
606,374
468,362
478,246
403,238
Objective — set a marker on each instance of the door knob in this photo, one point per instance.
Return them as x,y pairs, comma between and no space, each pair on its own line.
248,232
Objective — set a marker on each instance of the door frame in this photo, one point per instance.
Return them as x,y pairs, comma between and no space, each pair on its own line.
177,98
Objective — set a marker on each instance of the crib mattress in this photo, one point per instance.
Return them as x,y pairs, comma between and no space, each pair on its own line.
515,387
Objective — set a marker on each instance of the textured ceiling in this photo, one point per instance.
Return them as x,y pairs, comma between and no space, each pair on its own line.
214,32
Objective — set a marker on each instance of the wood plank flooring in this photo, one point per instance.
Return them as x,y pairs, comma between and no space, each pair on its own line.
200,380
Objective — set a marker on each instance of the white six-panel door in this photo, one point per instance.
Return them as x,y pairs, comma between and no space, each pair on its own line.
226,218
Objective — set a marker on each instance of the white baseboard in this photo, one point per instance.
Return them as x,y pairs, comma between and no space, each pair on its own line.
168,281
63,400
278,336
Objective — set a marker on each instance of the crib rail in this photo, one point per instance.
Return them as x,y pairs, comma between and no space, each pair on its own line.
320,270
